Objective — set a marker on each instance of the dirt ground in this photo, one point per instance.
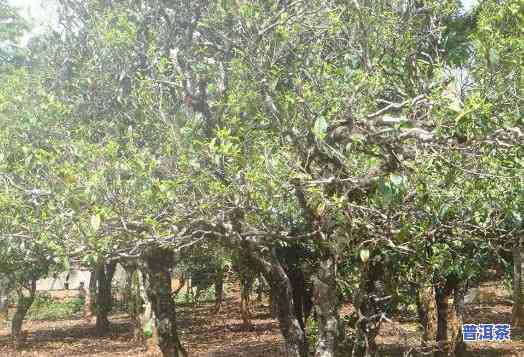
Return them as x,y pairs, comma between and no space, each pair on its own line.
202,332
397,337
207,335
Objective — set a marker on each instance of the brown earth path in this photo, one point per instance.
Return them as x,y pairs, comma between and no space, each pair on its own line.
207,335
202,332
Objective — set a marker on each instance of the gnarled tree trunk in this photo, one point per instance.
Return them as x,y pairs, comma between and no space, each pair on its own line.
247,278
104,301
90,294
449,333
517,314
246,287
136,307
219,288
23,305
442,296
4,302
158,262
128,287
457,346
261,288
427,311
273,306
369,305
281,292
142,317
325,302
298,286
296,344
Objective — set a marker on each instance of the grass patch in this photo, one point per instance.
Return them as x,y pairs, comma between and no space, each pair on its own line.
205,296
46,308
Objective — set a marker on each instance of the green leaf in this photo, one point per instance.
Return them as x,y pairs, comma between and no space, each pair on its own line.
357,138
406,125
443,212
396,180
320,127
95,222
148,329
517,217
364,255
493,56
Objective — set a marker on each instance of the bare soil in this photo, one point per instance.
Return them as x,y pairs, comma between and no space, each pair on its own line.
205,334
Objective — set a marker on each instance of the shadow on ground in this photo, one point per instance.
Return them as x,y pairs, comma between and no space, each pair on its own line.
205,334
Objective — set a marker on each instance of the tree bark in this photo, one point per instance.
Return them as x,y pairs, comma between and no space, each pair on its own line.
325,302
296,344
4,302
158,262
281,292
247,277
23,305
246,285
261,287
442,296
449,333
104,300
145,317
128,288
457,346
142,315
427,311
517,313
219,289
369,308
181,283
138,300
273,306
90,294
298,286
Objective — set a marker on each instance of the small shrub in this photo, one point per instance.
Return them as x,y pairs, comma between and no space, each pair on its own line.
312,332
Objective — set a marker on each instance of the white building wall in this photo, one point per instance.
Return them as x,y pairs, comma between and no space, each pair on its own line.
76,277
